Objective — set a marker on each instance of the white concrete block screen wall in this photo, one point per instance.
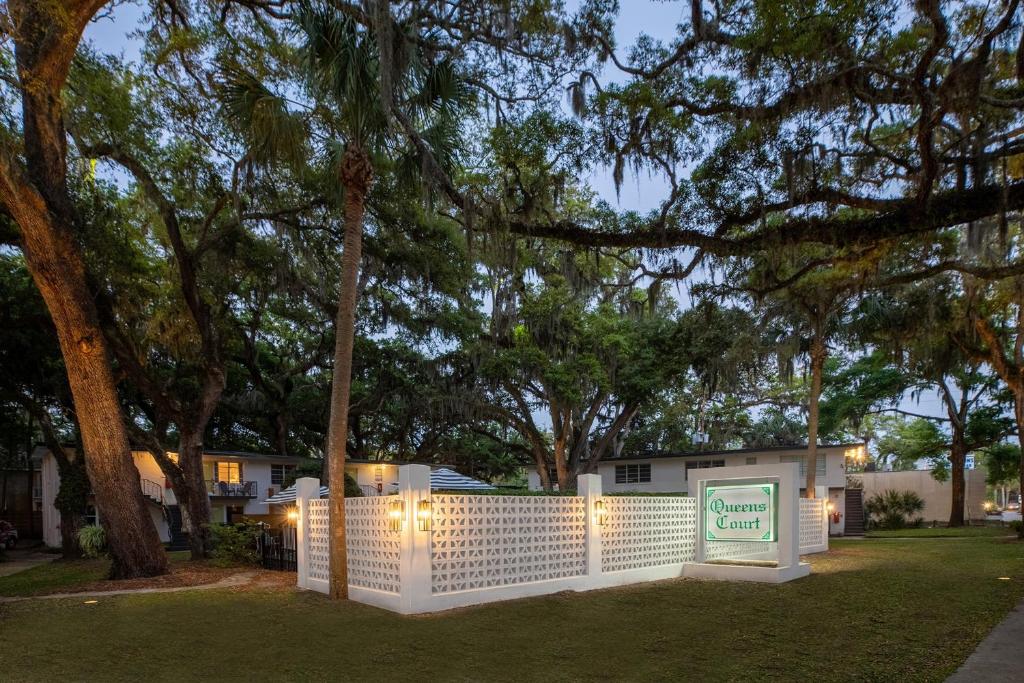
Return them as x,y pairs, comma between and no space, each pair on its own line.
417,552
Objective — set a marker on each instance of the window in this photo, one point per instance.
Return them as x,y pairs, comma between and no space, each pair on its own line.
229,472
819,471
702,464
751,459
278,473
633,474
91,517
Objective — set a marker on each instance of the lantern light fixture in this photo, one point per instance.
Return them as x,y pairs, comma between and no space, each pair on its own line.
600,512
396,514
292,514
423,515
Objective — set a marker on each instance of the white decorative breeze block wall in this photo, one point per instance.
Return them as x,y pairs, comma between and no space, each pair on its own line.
483,548
644,532
317,516
813,526
374,550
481,542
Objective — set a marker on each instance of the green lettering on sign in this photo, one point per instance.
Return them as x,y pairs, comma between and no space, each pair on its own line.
745,512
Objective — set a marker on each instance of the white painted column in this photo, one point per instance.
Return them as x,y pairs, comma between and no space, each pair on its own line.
589,486
306,489
415,565
789,517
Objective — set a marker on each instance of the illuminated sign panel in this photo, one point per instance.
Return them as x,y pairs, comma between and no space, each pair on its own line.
741,513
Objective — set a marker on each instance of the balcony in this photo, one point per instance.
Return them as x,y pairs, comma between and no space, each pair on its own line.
223,489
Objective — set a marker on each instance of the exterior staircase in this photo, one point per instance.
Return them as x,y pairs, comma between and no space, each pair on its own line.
854,512
179,540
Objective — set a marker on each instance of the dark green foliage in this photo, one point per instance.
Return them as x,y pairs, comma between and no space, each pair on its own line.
235,543
894,509
352,489
1002,463
93,541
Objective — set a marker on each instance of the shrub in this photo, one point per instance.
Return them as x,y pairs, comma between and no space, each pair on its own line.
1018,527
894,509
235,543
352,489
93,541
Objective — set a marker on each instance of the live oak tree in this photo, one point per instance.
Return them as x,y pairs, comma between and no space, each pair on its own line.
847,127
581,347
912,326
33,384
803,295
39,41
993,333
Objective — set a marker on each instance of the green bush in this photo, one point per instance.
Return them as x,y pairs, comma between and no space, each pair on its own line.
894,510
93,541
1018,527
235,543
352,489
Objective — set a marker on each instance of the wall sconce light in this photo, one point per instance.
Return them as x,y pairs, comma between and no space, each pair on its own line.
600,512
292,514
396,513
830,506
423,515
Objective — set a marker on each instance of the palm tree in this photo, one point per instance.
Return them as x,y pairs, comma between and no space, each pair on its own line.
396,109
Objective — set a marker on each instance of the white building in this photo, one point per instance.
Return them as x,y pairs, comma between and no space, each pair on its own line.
668,471
237,483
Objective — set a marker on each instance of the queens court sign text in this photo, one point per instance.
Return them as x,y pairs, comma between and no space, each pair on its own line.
741,513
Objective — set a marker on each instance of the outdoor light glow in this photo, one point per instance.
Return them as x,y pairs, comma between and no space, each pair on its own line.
423,514
1004,578
830,506
600,512
293,514
90,602
857,455
396,511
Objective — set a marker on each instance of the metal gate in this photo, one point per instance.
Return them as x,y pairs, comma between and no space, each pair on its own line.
278,549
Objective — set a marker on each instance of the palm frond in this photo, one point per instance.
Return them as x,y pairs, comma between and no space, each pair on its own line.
270,130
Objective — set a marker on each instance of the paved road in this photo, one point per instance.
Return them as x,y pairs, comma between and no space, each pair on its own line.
999,657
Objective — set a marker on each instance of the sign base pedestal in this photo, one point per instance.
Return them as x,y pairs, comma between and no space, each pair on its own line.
738,572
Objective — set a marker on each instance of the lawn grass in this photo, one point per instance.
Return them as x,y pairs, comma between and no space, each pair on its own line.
61,574
872,610
943,532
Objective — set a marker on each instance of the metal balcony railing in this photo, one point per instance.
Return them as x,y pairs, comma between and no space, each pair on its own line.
223,489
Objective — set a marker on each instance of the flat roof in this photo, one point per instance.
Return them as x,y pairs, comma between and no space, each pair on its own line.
659,455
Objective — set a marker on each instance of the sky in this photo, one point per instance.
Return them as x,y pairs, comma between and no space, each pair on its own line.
112,34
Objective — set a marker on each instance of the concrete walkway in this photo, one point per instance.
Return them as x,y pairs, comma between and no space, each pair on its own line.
20,561
228,582
999,657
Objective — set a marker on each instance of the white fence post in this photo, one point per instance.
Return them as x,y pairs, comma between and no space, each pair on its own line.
415,565
589,486
306,488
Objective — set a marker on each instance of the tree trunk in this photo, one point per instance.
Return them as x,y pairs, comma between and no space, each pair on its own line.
196,500
356,176
957,460
70,524
40,204
818,353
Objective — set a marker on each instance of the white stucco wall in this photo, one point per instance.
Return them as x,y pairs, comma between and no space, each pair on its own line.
365,474
937,495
